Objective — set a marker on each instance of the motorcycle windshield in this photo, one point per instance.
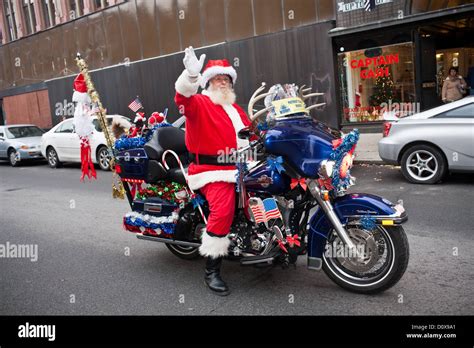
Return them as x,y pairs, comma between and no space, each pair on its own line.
303,142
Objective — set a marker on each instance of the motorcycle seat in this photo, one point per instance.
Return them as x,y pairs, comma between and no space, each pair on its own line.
166,138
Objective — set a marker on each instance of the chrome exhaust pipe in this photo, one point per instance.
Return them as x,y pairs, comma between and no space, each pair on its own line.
169,241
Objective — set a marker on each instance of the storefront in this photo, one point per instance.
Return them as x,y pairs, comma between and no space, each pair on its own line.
397,65
374,80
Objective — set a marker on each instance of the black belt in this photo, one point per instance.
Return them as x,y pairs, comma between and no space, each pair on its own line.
209,159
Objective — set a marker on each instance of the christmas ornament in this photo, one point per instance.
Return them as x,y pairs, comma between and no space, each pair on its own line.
117,186
341,179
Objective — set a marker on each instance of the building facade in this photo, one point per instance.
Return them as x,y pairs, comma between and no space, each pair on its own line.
360,54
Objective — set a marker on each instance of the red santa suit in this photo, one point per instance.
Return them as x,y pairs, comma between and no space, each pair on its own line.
211,130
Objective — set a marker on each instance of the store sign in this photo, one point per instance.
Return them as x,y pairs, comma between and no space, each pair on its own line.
374,67
357,5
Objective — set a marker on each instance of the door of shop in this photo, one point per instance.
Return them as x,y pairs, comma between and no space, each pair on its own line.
426,71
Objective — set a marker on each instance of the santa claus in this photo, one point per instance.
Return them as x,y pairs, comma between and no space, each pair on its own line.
213,120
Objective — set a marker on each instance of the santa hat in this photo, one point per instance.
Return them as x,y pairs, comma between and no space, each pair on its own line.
217,67
155,118
80,90
140,117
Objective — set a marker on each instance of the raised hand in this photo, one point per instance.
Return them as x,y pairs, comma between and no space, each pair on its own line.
191,63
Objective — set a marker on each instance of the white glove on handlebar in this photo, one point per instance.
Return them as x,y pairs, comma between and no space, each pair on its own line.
191,63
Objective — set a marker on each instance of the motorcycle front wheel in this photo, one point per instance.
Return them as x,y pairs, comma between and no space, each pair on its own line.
381,260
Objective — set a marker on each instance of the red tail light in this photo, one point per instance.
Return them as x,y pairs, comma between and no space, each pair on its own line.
118,169
386,128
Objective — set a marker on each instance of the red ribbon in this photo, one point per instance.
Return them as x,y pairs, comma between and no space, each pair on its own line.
326,183
296,182
87,167
282,246
293,240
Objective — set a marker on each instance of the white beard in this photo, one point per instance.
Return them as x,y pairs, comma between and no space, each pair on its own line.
221,96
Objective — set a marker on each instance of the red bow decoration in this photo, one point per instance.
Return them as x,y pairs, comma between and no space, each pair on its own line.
87,167
134,188
293,240
327,183
296,182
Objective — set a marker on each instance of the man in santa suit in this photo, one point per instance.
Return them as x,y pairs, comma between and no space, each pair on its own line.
212,123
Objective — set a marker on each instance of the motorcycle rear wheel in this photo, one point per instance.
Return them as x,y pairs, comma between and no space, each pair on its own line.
387,246
183,252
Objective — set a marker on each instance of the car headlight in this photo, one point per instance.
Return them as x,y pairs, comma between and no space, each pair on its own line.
326,169
24,147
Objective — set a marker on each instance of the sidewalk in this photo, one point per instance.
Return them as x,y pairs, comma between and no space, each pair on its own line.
367,148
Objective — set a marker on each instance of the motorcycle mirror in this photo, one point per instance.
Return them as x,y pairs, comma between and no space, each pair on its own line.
244,133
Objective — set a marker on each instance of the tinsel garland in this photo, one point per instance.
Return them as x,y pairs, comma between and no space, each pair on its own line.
125,143
349,141
165,223
170,191
368,223
242,168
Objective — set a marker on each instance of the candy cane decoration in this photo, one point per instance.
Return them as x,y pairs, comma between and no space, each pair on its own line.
184,174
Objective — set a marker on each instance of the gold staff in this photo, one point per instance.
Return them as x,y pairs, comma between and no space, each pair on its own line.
117,187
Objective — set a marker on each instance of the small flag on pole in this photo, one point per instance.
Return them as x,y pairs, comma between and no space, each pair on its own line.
369,5
264,211
135,105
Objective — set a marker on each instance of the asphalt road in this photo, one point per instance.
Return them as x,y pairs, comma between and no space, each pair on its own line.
83,264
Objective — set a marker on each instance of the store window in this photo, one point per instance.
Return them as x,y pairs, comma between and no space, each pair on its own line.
10,19
29,12
375,81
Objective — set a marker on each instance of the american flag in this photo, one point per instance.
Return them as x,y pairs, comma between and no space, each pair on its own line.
265,211
369,5
135,105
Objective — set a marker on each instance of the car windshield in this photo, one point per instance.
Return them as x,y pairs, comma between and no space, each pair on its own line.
23,132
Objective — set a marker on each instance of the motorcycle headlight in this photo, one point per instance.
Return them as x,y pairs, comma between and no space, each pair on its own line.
326,169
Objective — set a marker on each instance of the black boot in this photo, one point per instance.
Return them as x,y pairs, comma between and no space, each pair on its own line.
213,277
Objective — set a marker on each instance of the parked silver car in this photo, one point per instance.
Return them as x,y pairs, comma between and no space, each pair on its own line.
429,144
20,142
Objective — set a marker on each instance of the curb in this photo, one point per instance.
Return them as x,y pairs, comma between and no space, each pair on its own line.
378,162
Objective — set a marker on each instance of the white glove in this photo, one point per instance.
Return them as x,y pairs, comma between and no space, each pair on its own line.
191,63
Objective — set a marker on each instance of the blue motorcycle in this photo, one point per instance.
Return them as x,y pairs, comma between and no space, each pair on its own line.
292,198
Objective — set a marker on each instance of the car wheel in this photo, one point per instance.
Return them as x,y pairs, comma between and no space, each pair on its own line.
423,164
13,158
52,157
103,158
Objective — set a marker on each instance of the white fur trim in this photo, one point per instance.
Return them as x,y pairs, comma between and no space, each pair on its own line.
197,181
209,73
214,246
81,97
234,116
185,86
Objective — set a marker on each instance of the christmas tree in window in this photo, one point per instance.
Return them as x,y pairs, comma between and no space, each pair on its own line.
384,87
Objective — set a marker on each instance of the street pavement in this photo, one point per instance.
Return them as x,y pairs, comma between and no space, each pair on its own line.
87,264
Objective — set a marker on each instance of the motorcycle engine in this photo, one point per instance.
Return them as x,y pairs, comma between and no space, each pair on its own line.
248,240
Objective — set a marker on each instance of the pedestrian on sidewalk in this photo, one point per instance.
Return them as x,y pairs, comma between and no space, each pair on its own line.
454,86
